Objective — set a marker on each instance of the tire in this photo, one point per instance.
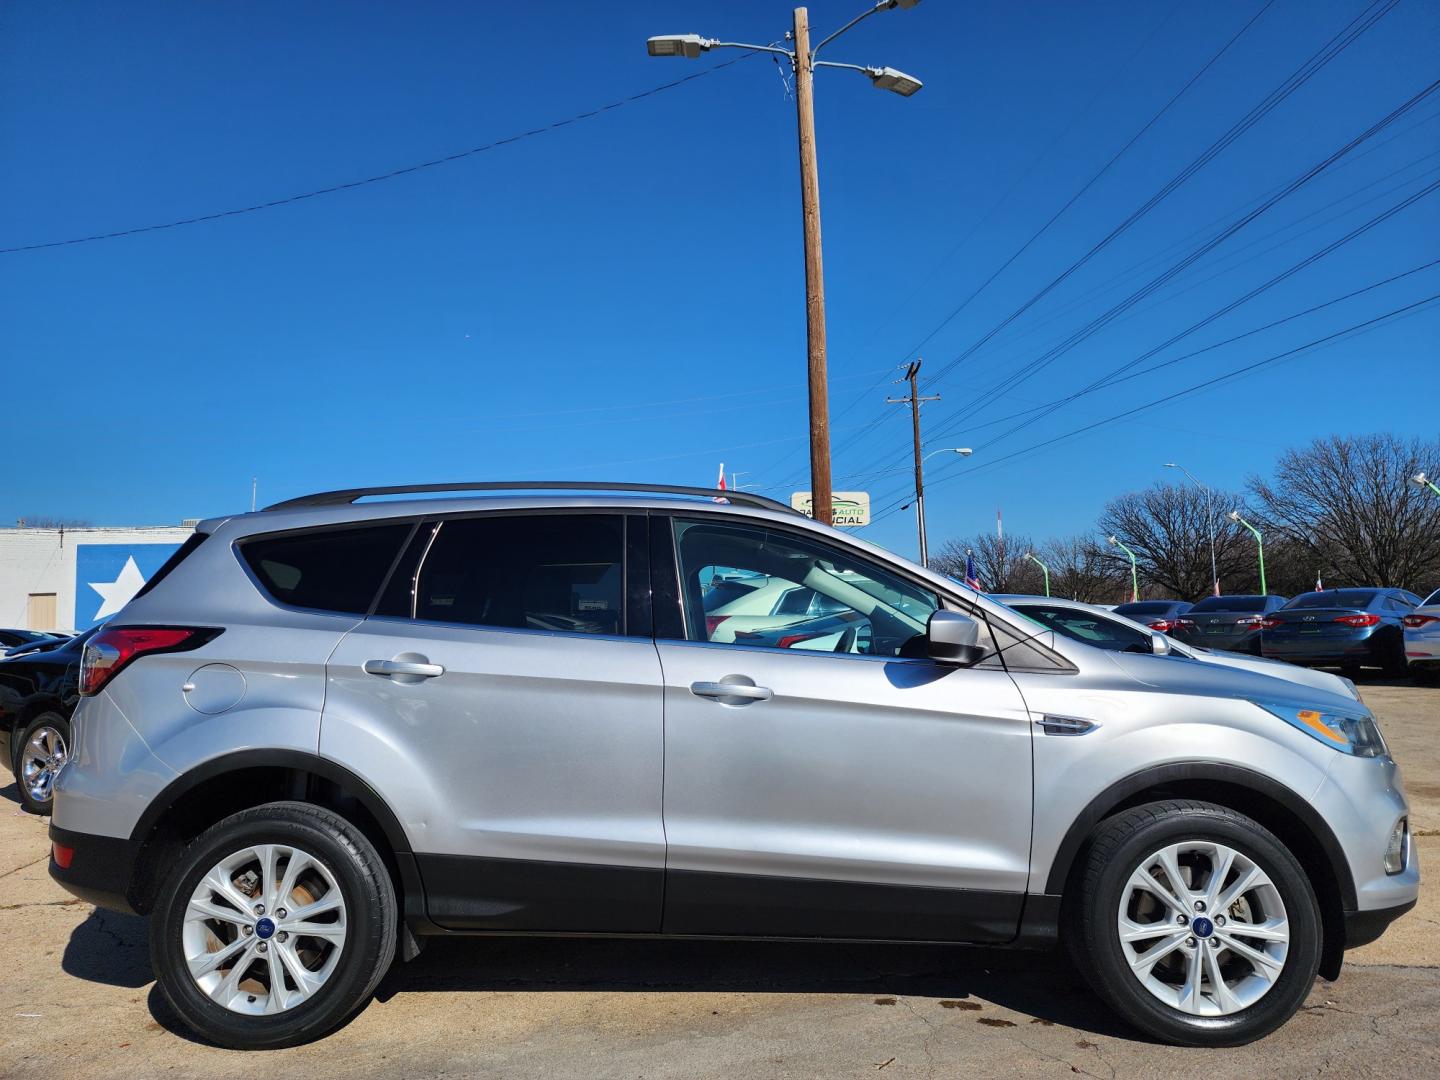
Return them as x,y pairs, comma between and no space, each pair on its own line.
1425,674
1256,997
340,975
40,750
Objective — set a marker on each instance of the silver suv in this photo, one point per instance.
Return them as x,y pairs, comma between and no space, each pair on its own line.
329,730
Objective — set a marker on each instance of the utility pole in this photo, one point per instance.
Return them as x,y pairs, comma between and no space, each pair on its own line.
803,60
821,500
912,374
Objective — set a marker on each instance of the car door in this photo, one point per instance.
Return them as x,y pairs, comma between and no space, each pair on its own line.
505,699
832,794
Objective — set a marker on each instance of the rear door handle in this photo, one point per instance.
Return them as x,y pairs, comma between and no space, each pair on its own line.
403,667
738,693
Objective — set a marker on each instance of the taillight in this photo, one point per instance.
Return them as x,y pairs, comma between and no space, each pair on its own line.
1358,621
1414,622
1184,622
794,639
1251,620
111,650
1161,625
712,622
1271,624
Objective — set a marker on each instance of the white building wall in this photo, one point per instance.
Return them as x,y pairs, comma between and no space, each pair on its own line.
44,561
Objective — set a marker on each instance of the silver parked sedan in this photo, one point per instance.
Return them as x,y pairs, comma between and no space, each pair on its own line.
328,732
1422,640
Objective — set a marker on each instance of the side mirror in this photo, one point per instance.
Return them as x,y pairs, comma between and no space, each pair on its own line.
1159,644
952,638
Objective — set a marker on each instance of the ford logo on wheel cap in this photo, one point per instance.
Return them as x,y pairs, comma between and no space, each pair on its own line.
1202,927
265,927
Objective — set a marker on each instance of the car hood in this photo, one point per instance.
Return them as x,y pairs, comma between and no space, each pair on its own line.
1278,669
1206,678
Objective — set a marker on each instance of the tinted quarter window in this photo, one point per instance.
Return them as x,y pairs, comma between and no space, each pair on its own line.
326,569
560,572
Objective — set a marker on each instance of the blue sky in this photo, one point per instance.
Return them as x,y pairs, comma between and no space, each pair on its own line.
622,298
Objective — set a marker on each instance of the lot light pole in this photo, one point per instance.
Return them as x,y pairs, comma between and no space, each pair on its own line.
1421,480
1043,569
803,62
1259,546
1134,572
1210,520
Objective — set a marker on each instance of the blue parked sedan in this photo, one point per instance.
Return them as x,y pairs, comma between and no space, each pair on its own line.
1345,628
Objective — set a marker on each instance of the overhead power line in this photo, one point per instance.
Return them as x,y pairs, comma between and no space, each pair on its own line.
1298,78
1236,373
1026,371
379,177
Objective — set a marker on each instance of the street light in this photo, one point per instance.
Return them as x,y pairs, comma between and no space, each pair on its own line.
1421,480
1234,516
963,451
1209,517
1043,569
1134,573
803,62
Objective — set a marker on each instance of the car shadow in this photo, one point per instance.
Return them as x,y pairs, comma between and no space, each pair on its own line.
1040,985
11,793
113,949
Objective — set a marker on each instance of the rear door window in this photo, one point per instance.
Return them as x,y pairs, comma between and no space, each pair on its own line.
337,570
563,573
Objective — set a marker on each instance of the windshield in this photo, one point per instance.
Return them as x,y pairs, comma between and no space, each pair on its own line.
1231,603
1356,598
1088,626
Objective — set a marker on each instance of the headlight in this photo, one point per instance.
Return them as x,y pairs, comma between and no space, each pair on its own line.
1356,735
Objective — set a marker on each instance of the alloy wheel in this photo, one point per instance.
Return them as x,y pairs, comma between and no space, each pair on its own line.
1203,928
40,761
265,929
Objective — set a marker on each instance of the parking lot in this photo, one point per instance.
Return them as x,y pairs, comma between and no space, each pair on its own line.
79,999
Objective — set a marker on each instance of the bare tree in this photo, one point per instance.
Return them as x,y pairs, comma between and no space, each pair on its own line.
1001,564
1169,526
1347,507
1081,570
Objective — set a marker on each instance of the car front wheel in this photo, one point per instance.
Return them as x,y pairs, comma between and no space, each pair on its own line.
274,927
1195,923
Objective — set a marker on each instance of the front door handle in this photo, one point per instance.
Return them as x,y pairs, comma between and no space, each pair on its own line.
403,667
732,690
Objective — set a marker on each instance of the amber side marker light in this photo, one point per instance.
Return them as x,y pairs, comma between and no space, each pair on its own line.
1312,719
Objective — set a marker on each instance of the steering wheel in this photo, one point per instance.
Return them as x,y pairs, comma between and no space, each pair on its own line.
846,642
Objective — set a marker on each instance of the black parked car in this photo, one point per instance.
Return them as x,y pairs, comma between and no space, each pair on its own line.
10,638
1345,628
1227,622
1159,615
38,692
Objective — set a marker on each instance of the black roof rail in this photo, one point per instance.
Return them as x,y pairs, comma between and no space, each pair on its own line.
347,496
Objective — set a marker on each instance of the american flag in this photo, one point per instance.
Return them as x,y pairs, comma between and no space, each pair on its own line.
972,576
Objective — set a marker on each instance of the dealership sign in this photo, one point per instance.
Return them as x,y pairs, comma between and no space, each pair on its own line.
850,508
107,577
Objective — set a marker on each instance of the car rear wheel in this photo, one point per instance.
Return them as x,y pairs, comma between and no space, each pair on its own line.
274,927
42,749
1195,923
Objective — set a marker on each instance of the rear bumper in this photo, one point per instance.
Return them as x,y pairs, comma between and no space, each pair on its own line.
1322,653
101,869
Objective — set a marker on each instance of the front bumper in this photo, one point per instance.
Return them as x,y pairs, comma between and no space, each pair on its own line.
100,870
1363,927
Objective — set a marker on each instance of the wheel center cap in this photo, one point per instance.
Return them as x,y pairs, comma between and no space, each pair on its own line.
265,927
1201,927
